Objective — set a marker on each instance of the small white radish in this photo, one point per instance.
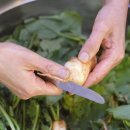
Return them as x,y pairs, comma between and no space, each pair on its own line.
59,125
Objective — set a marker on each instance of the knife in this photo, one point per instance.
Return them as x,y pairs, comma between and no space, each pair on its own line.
80,91
74,88
12,4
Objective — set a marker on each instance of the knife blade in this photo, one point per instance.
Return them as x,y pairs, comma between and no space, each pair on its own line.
13,4
75,89
81,91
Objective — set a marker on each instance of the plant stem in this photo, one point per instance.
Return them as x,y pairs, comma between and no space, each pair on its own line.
16,124
7,118
36,118
76,38
55,117
24,115
16,103
58,111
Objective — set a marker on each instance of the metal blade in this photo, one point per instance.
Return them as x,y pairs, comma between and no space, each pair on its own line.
81,91
13,4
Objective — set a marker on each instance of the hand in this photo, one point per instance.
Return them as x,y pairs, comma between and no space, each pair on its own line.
17,65
108,32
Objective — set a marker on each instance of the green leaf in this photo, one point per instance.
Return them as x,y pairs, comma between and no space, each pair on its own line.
24,35
45,127
127,123
121,112
2,125
73,20
50,100
49,46
66,21
59,37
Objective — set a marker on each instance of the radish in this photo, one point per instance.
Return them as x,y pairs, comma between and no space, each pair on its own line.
59,125
79,71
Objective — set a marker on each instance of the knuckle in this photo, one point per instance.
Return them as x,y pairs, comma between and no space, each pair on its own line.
50,69
90,46
101,27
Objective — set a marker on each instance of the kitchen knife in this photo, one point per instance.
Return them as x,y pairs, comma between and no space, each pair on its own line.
75,89
12,4
81,91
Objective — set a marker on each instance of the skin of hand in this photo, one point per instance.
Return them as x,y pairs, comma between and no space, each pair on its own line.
109,33
17,65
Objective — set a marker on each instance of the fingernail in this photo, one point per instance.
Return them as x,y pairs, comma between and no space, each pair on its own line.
63,73
84,56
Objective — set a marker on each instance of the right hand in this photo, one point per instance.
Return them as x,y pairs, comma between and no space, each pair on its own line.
17,65
109,33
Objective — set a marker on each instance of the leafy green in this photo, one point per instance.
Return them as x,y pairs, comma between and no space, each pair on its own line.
122,112
60,37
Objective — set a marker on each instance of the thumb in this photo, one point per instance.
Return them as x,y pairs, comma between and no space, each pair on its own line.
92,45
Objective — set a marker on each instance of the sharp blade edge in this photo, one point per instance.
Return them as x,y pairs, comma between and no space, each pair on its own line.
81,91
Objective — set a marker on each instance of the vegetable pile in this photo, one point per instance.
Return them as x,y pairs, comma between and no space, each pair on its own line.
59,37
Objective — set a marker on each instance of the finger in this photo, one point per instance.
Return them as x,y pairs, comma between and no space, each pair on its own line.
16,89
92,45
48,67
33,86
41,87
19,94
106,64
52,89
47,87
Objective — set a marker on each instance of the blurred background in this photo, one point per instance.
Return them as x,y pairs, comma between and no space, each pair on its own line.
39,113
87,9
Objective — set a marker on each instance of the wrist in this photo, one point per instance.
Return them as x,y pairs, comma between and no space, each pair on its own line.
117,1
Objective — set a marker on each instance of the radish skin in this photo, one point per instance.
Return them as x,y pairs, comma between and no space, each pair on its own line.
79,71
59,125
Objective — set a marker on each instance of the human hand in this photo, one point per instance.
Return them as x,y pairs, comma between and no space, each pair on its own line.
109,33
17,66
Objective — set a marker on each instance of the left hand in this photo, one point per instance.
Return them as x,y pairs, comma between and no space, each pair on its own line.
17,71
108,32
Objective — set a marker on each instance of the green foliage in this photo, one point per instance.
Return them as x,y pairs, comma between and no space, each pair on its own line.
60,37
121,112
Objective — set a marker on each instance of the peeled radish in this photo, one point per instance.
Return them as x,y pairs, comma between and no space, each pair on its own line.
79,71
